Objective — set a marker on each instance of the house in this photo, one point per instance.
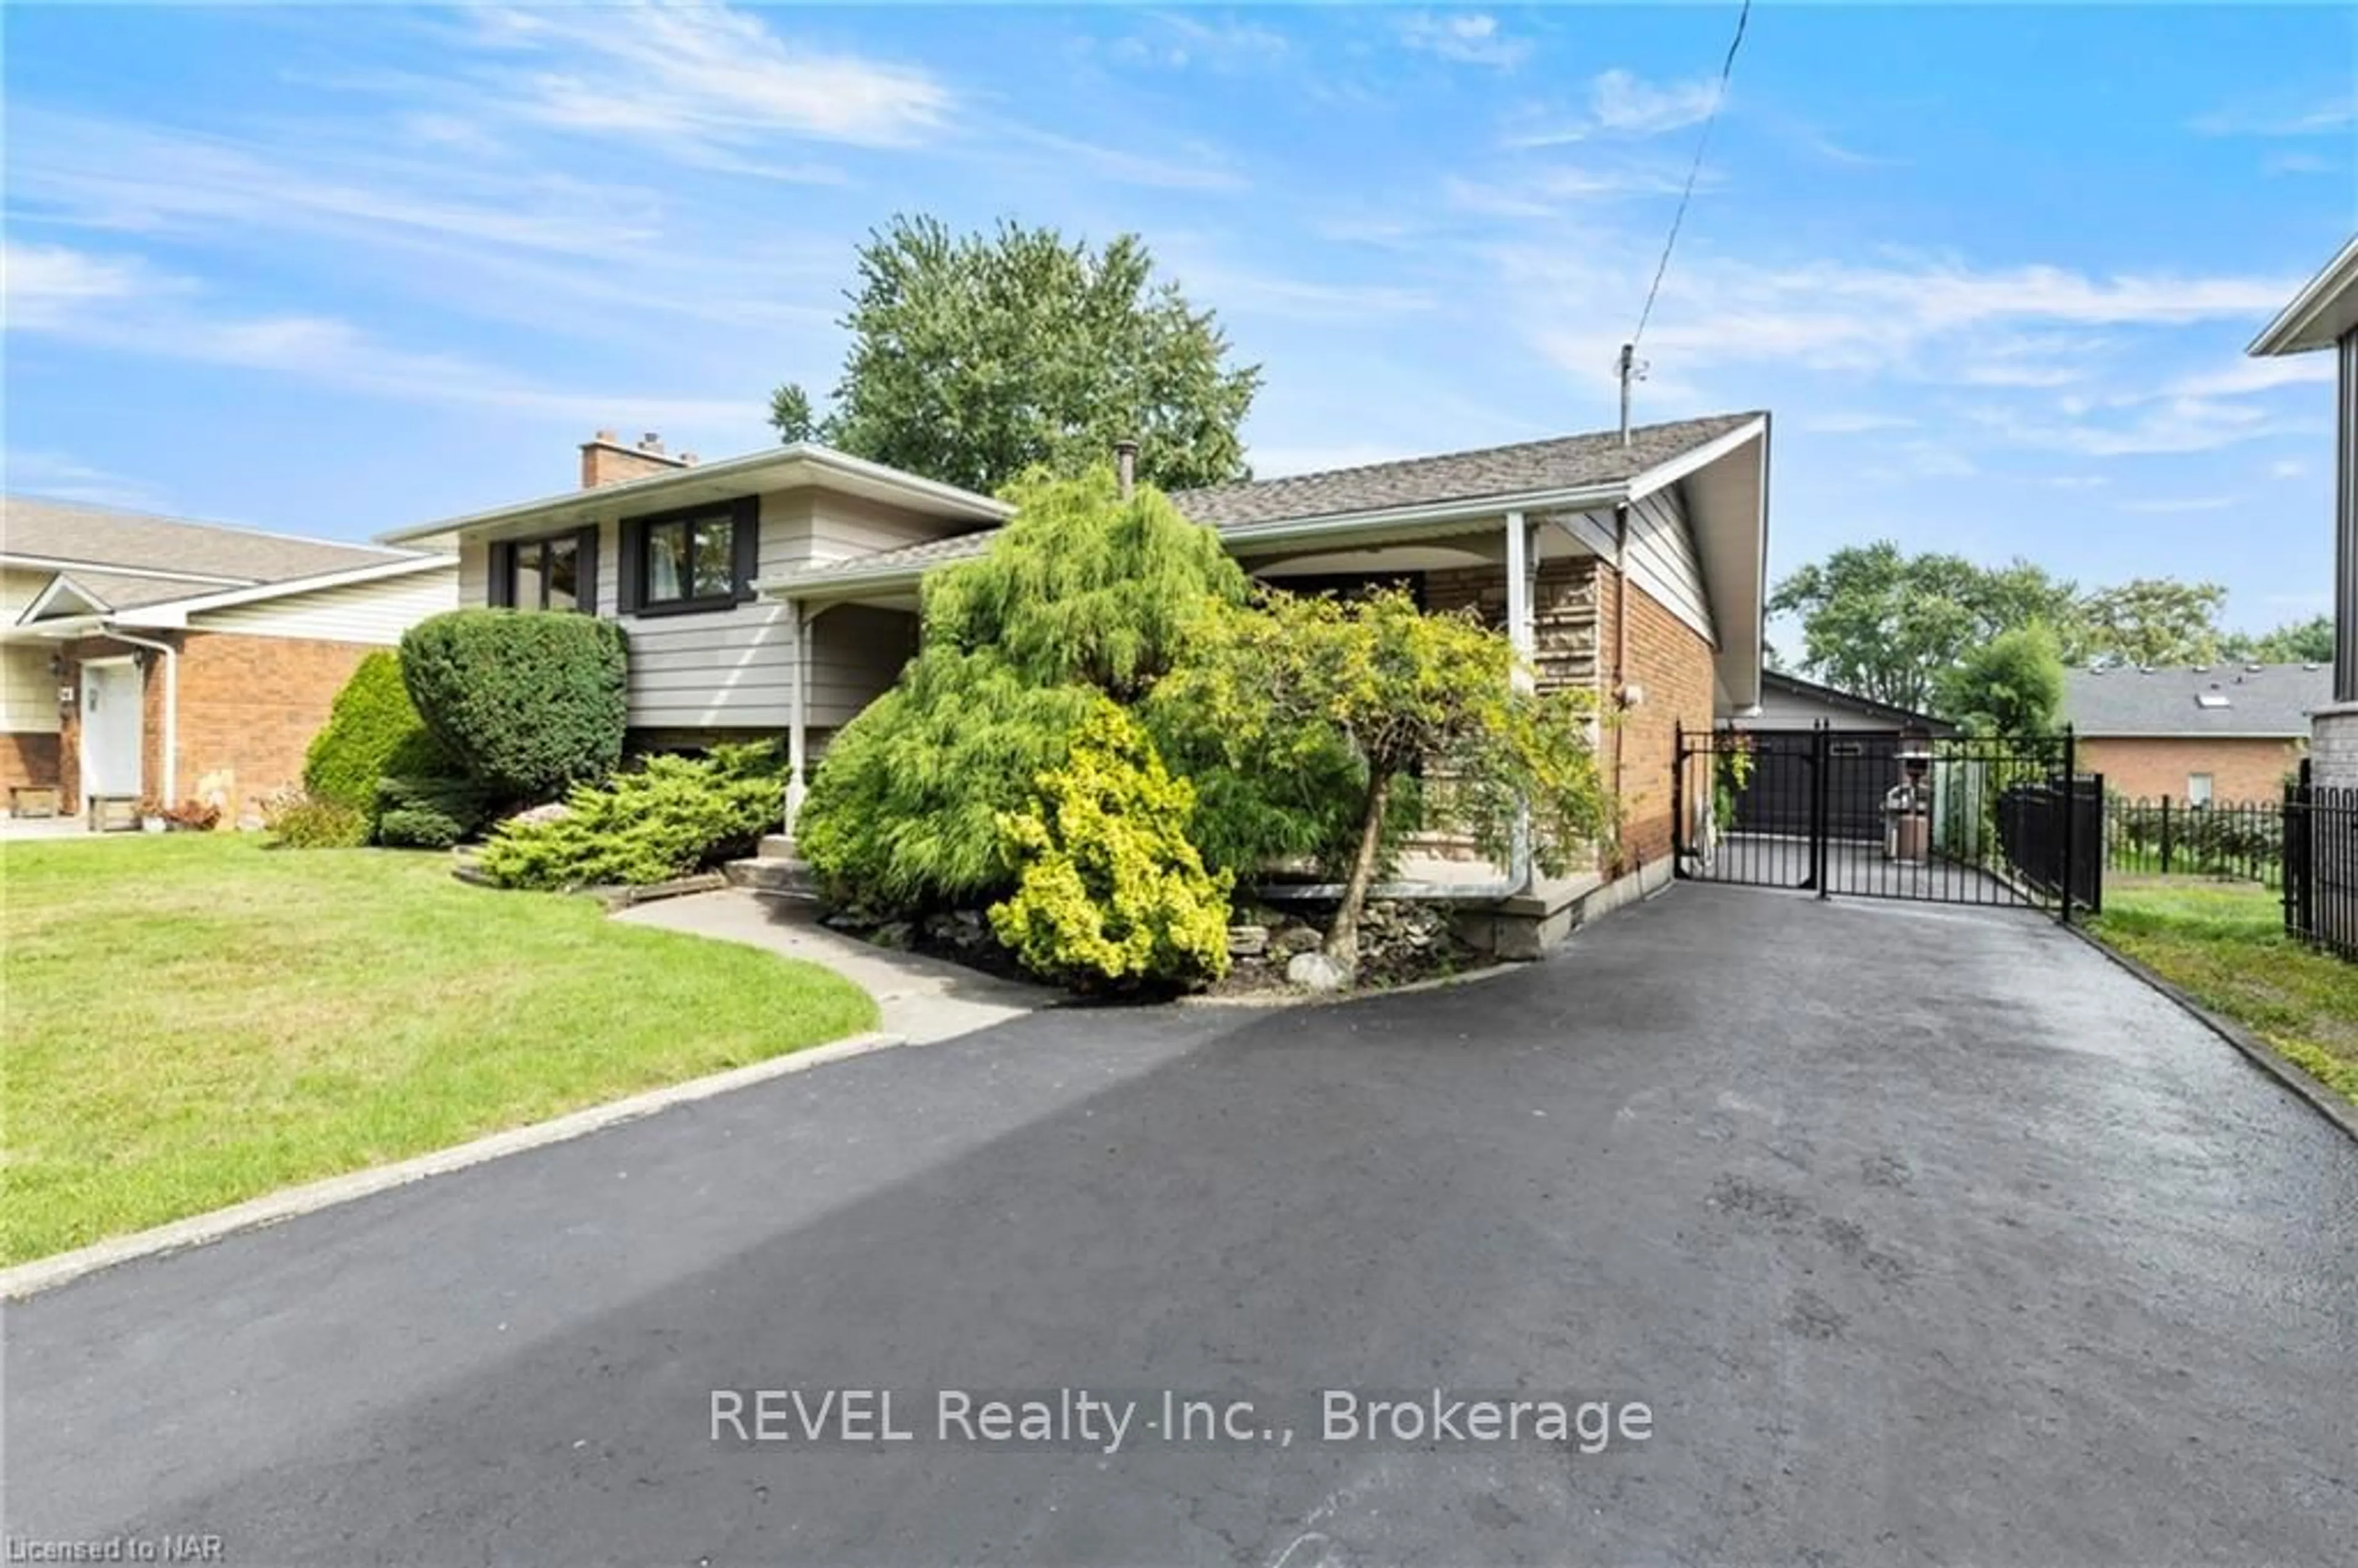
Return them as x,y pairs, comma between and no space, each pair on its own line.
2226,733
1865,741
156,659
2323,316
778,593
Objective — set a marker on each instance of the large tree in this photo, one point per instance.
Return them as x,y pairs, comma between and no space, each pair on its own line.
2154,621
1888,626
2296,642
2011,684
977,357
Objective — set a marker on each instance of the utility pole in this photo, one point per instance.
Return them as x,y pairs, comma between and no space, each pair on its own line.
1627,367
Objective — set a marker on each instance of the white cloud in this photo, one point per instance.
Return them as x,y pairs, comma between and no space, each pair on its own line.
64,478
2285,468
1838,423
2177,503
2298,163
700,72
46,283
2244,374
1175,41
2308,117
167,317
2172,425
1621,104
1468,37
1547,194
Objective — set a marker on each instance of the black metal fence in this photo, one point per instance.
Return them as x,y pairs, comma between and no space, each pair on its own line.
2242,840
1966,819
2320,864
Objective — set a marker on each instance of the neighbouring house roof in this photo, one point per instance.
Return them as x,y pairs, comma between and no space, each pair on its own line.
1867,707
2325,311
2220,701
86,540
148,570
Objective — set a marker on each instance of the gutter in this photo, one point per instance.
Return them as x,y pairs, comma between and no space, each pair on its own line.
171,705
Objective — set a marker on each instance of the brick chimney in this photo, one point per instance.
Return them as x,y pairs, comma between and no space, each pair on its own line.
605,460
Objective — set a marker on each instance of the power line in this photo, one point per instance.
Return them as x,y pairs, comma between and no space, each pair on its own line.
1703,142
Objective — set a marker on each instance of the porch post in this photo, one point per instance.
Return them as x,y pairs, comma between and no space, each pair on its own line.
798,717
1524,635
1521,631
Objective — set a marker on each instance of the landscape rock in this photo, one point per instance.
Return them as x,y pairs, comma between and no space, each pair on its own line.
1248,941
1315,972
1299,939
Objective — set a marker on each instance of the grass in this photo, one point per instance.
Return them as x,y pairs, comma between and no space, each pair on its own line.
2224,945
196,1020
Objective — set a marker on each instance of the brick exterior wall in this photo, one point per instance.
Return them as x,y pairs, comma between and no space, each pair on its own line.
1673,662
248,708
28,758
2157,767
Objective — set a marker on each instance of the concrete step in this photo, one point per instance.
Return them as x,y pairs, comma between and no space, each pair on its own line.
772,875
776,847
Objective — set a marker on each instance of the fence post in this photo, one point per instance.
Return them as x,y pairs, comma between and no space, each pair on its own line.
2165,836
1679,807
2071,814
1820,781
2100,862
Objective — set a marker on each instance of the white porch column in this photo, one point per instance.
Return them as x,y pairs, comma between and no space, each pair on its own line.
1522,632
798,717
1521,583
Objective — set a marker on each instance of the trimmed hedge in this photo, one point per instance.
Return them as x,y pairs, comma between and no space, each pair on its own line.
370,726
529,703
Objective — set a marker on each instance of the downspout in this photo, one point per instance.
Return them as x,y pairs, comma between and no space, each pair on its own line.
1620,632
171,705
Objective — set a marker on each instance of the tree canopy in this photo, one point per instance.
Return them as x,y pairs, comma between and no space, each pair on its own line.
975,358
2296,642
2156,622
2011,684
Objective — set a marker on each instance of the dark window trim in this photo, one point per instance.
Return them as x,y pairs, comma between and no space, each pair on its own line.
501,588
744,515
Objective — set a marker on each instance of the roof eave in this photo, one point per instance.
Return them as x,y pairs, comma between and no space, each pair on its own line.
2324,312
909,488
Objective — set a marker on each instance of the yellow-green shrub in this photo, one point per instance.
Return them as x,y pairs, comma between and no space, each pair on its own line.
1111,893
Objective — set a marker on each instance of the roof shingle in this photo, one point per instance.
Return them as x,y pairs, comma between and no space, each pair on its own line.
2242,699
100,536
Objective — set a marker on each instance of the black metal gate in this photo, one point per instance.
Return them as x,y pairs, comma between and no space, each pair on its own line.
1978,819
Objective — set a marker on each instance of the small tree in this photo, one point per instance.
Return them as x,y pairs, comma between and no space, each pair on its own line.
529,702
373,730
2012,685
1406,690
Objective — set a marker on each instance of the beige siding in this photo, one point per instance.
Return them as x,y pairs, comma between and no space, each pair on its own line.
376,613
735,668
28,692
1662,559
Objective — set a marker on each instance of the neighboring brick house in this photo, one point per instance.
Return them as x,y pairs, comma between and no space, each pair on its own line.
778,593
2225,732
151,659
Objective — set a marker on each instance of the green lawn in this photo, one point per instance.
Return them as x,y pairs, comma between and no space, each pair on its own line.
2224,942
196,1019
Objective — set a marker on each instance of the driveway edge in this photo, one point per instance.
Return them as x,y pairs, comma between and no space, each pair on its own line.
288,1203
2264,1057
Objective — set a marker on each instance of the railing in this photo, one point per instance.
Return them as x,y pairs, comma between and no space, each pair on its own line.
2320,865
2242,840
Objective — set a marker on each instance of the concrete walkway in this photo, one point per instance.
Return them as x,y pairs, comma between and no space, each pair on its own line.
923,999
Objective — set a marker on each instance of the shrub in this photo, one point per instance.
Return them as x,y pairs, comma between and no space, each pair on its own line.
299,821
527,702
903,813
671,816
372,728
192,816
428,811
1111,892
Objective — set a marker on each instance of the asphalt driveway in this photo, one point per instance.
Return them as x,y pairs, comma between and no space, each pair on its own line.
1923,1236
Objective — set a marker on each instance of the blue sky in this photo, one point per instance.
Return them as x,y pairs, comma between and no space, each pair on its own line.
334,269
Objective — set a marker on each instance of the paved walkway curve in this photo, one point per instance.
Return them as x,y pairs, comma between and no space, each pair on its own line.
1928,1236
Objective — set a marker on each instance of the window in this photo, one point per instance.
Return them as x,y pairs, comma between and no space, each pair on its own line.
688,561
559,572
2198,789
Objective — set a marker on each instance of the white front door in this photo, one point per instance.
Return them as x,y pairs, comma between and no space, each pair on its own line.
109,729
